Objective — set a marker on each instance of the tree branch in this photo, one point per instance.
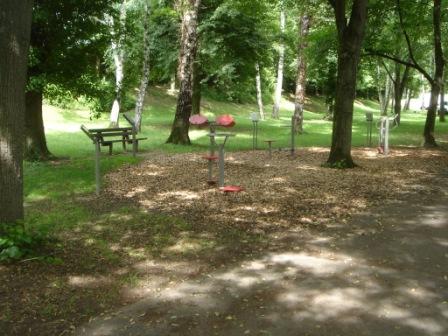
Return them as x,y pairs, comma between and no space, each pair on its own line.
411,64
387,70
408,43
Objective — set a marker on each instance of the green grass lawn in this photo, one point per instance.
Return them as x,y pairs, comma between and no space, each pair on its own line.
56,182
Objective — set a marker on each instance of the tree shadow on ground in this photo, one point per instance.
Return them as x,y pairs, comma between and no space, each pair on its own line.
281,255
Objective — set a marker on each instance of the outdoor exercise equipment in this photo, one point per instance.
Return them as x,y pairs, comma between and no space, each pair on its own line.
269,142
369,120
293,134
254,116
385,124
226,121
106,137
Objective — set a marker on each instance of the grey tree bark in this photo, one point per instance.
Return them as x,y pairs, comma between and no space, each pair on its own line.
281,64
259,91
145,69
36,148
189,43
197,89
350,37
299,102
15,25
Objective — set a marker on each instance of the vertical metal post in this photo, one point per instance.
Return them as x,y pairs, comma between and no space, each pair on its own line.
134,141
270,149
386,136
212,139
221,166
255,134
293,136
97,166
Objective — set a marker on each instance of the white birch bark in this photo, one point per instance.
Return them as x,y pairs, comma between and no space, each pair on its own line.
281,63
259,92
117,46
145,70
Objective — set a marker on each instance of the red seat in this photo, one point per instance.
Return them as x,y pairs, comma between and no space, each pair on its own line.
225,121
210,157
228,189
198,120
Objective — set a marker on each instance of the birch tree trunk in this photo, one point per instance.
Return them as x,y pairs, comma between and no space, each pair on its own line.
299,101
145,70
117,46
15,23
259,91
189,42
281,64
350,37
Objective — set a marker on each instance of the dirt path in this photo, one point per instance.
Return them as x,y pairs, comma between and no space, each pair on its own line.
383,273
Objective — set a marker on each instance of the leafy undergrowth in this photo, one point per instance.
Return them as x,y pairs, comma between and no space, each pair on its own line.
158,224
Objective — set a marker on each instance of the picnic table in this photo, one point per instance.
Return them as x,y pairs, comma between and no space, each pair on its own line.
106,137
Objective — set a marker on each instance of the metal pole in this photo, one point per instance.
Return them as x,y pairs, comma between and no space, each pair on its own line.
386,137
293,134
256,134
212,139
97,167
221,166
134,141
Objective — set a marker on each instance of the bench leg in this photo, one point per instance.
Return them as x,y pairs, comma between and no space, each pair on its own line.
110,149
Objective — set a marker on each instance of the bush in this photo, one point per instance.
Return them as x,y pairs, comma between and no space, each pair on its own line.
16,242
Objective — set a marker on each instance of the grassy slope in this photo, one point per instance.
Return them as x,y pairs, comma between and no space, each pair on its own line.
51,182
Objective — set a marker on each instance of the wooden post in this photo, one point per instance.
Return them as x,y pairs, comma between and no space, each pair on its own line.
97,166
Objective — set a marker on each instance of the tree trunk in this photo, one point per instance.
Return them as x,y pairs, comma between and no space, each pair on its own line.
15,23
442,101
407,105
387,95
350,37
399,86
36,148
259,91
281,64
145,70
117,46
197,93
437,84
189,41
299,101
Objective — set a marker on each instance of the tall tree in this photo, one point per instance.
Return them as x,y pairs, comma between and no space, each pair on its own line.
65,49
281,64
299,102
415,11
350,34
145,67
189,41
118,52
15,22
259,91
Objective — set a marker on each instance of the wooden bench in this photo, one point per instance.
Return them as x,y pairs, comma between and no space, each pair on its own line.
131,122
106,137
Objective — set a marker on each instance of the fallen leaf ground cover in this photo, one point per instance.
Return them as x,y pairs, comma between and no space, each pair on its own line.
158,224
